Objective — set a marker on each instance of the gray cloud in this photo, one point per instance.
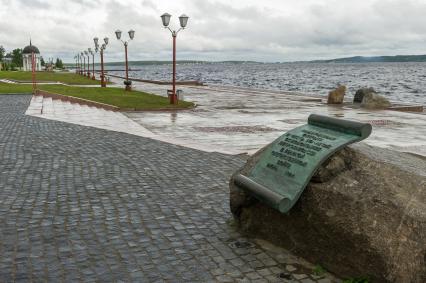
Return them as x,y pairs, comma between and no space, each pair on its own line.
37,4
268,30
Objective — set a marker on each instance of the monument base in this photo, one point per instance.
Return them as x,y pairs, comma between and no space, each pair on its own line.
362,215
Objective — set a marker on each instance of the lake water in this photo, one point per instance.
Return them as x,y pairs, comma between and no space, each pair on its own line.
404,82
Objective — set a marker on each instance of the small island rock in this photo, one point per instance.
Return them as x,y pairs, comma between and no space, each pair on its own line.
373,100
360,93
336,96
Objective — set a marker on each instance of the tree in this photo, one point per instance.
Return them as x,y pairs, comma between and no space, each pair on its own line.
2,51
42,61
17,57
59,64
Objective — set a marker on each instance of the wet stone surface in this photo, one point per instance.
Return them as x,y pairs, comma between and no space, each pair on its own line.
91,205
242,120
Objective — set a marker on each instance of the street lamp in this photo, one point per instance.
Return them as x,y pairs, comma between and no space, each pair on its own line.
84,63
183,19
88,63
93,62
101,51
127,83
78,64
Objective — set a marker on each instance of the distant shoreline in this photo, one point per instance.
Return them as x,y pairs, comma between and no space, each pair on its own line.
376,59
354,59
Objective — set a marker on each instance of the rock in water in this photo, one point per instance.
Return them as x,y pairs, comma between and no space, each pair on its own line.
336,96
374,101
364,216
360,93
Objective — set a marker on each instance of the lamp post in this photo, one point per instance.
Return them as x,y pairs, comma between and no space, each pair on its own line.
93,63
33,71
84,64
127,83
80,70
75,58
78,64
88,63
183,19
101,51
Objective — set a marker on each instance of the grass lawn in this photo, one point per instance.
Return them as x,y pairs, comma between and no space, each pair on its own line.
110,95
15,88
64,77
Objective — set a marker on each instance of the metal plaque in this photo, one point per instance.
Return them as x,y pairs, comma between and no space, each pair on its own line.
287,165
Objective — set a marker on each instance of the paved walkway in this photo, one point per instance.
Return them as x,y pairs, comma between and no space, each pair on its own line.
244,120
65,111
91,205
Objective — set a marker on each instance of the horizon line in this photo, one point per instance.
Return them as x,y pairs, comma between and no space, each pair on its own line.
262,62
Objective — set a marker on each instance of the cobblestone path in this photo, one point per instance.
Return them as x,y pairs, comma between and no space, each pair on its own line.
91,205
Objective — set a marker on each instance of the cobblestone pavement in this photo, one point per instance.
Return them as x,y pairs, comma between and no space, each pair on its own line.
91,205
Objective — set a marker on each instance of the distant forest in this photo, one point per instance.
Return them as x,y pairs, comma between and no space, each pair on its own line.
355,59
138,63
361,59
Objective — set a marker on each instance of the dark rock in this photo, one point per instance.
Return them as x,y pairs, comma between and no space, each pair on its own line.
332,167
366,217
375,101
360,93
336,96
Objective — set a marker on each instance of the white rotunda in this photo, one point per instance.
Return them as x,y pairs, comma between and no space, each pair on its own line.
26,58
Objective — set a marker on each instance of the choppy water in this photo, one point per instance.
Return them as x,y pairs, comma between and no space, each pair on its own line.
404,82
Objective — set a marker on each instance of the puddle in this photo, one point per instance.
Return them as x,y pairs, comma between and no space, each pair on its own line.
241,244
235,129
230,119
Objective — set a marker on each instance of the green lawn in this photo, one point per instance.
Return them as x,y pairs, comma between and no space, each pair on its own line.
64,77
15,88
110,95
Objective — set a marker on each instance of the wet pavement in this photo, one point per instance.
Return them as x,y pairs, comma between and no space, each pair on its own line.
238,120
84,204
91,195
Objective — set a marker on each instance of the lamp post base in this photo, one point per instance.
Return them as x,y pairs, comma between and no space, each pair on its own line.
173,99
128,85
103,82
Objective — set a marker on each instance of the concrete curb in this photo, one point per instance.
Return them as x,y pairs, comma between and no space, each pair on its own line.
159,109
83,101
187,83
80,101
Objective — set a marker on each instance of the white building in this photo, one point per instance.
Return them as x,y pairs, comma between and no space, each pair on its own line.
26,58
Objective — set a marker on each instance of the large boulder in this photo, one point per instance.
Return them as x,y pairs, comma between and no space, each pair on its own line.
360,93
362,215
336,96
373,100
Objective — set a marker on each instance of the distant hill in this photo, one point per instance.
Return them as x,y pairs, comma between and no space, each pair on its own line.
361,59
138,63
355,59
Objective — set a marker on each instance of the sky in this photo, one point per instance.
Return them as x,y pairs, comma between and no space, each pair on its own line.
219,30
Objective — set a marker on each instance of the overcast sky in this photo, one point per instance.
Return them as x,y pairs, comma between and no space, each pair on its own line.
261,30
